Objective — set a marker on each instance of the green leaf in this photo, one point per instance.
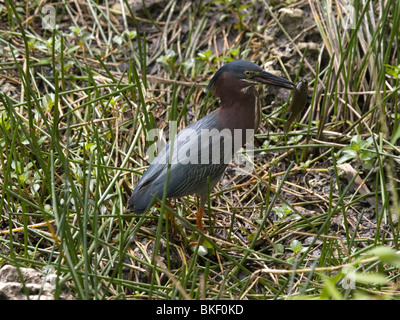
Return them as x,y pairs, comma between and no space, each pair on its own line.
48,101
295,139
393,70
330,290
371,278
386,254
90,146
118,39
367,155
346,157
296,246
278,249
5,122
205,55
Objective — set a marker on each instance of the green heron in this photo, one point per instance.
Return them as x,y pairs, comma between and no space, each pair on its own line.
240,110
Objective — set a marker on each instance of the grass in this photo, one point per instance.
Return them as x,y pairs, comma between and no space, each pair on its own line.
316,219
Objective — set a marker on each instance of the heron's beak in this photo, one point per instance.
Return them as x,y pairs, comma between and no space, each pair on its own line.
268,78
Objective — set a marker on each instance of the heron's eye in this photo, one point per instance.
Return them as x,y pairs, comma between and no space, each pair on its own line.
248,73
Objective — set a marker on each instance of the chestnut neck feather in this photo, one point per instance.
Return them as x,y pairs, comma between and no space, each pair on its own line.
240,107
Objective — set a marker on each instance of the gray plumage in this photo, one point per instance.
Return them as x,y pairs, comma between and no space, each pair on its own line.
184,179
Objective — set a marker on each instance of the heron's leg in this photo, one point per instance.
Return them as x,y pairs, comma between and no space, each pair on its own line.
199,218
199,222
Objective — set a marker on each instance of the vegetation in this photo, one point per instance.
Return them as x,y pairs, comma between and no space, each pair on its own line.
83,82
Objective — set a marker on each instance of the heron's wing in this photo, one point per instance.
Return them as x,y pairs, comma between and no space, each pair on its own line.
189,171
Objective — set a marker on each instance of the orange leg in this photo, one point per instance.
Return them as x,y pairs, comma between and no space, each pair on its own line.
199,222
199,217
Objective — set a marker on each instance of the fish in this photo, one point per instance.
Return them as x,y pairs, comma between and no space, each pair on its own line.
297,104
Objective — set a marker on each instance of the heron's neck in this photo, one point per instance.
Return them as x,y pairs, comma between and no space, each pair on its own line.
240,109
